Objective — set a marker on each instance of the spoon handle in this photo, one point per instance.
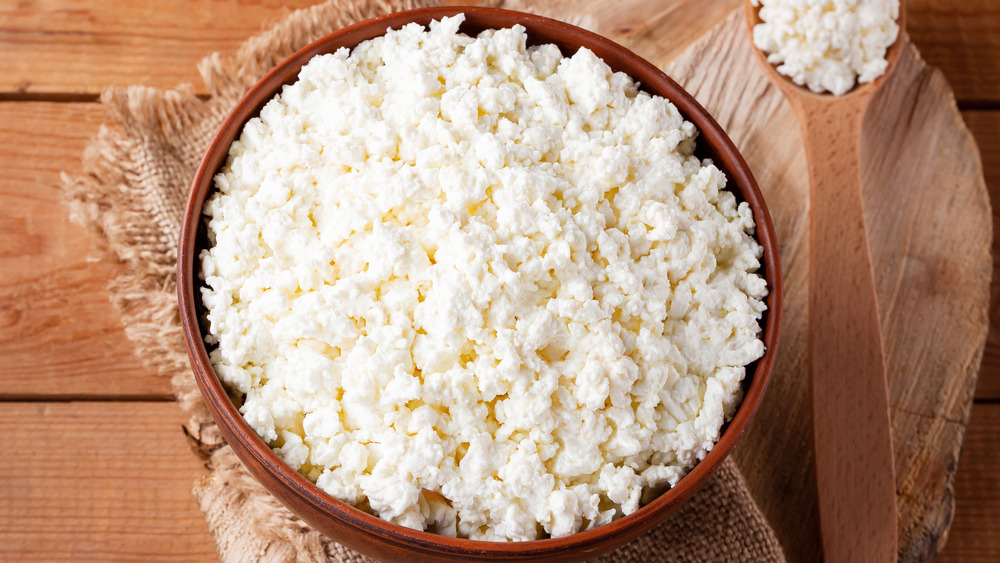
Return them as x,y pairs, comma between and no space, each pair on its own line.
851,428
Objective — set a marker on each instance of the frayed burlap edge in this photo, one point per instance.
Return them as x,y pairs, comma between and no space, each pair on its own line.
136,174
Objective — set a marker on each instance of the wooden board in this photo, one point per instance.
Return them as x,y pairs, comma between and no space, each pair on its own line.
98,481
960,38
59,333
932,250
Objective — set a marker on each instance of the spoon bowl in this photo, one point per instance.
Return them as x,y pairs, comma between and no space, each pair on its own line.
751,15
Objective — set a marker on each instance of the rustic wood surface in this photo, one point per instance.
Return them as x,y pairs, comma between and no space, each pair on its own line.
98,480
94,464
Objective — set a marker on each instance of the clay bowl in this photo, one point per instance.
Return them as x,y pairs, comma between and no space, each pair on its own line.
369,534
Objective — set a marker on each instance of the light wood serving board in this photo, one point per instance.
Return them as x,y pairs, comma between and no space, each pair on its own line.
929,222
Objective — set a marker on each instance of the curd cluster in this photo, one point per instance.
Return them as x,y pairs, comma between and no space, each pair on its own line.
827,45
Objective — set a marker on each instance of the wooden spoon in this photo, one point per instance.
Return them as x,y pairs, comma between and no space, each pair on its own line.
855,474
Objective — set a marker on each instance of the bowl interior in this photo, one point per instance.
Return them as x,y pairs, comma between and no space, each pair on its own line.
337,518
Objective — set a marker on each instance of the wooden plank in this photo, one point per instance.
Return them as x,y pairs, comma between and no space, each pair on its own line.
962,38
98,482
59,333
985,126
975,532
81,46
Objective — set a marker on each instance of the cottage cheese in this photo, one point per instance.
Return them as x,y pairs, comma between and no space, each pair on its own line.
827,44
478,288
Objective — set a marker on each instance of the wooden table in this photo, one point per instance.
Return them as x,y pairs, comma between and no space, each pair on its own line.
93,463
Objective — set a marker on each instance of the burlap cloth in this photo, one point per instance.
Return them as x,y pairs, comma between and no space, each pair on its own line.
136,174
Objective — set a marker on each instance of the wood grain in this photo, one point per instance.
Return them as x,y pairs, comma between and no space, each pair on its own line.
98,481
80,47
962,38
59,333
852,439
975,533
76,481
985,127
60,47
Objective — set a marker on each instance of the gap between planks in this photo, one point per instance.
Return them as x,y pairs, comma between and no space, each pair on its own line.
85,398
59,333
69,98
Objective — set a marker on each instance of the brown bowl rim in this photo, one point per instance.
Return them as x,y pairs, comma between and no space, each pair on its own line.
258,457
